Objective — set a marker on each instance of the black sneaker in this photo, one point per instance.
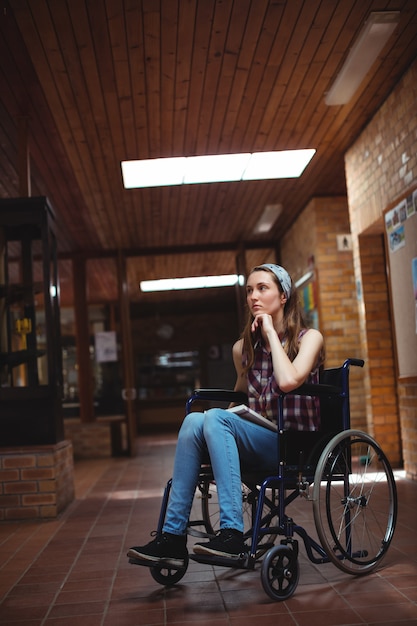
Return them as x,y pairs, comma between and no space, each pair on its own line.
227,543
167,549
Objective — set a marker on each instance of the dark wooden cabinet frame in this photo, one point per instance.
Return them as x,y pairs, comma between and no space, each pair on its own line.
30,413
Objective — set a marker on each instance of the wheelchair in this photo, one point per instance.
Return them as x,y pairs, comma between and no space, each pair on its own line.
342,471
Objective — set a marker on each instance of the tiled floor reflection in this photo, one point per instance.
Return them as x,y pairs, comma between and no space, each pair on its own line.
74,571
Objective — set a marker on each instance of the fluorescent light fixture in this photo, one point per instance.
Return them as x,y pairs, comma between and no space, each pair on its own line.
306,277
215,168
154,172
374,35
193,282
268,218
177,359
284,164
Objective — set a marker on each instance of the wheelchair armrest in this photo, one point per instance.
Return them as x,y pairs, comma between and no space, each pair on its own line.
221,395
317,389
353,361
324,389
239,397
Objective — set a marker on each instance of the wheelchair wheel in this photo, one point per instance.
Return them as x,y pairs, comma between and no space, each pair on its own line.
209,505
167,576
280,572
211,512
354,502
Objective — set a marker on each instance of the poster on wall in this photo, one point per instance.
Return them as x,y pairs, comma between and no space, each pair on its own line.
106,346
394,224
401,238
413,205
308,298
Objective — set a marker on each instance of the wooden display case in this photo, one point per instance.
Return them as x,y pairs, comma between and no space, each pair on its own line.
30,344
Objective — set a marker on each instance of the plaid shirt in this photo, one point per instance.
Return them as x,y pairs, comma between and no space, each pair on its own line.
300,412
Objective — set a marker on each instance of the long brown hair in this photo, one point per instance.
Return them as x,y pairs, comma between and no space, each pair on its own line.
293,323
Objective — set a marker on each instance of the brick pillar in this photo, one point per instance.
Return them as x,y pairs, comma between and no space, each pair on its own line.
36,482
314,236
377,341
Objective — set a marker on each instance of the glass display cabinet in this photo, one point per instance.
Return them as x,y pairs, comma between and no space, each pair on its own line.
30,342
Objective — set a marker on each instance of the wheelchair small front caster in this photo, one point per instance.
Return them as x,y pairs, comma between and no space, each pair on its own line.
168,576
280,572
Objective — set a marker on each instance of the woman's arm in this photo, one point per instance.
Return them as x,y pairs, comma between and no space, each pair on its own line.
241,380
290,375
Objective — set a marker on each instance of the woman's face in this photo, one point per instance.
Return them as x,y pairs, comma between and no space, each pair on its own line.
263,295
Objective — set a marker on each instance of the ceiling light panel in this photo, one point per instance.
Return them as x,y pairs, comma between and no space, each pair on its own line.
190,282
283,164
215,168
153,172
268,218
363,54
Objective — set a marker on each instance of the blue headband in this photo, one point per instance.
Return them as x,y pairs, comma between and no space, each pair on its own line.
282,275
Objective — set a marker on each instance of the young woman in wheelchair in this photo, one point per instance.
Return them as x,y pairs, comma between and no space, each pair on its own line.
275,352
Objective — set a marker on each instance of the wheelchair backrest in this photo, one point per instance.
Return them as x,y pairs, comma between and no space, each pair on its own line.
331,405
305,447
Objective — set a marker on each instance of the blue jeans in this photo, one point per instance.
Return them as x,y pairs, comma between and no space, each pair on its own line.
227,441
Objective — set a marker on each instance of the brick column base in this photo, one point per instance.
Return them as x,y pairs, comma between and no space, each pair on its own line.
36,482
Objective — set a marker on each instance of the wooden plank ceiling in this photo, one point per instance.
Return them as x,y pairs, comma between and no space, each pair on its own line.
100,81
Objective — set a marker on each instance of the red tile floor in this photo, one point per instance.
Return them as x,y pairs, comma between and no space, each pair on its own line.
74,570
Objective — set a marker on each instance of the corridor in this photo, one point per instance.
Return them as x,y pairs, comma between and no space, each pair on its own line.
73,571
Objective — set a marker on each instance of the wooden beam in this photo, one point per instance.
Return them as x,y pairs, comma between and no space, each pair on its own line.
165,250
129,389
82,338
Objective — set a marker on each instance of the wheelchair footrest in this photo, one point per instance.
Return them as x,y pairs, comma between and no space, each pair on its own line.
141,562
199,533
163,564
238,563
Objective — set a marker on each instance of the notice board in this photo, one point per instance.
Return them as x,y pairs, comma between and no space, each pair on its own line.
401,233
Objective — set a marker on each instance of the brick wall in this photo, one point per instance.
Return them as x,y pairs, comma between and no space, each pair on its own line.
35,482
89,440
105,437
315,234
376,335
381,167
